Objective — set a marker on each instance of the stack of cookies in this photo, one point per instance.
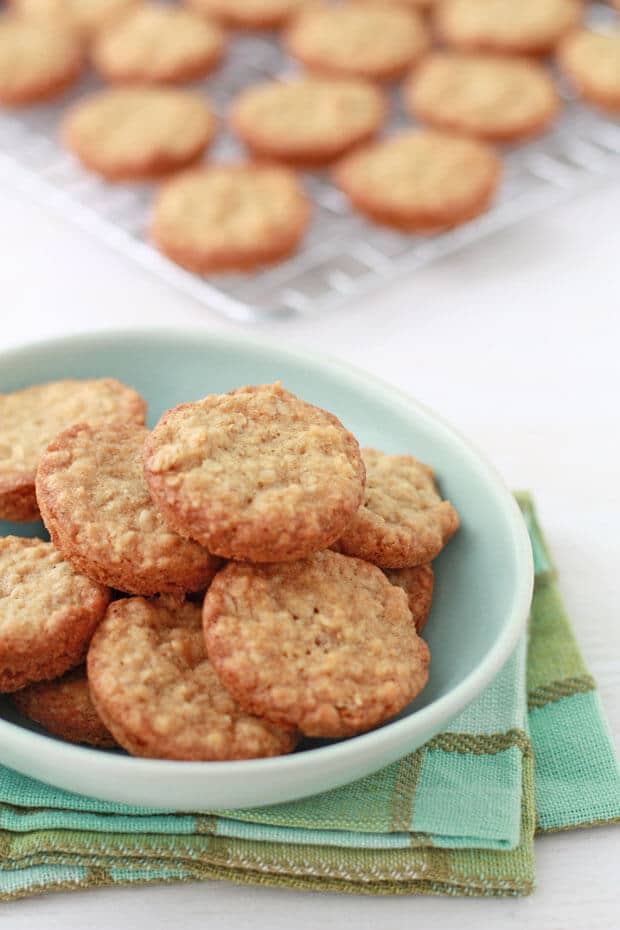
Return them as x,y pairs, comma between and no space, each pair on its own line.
238,578
471,72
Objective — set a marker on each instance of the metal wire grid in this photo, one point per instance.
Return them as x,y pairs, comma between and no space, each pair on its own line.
343,256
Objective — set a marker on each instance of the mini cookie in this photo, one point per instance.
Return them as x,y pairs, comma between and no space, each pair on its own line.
247,14
98,510
528,27
368,40
87,17
65,709
230,217
48,612
38,60
158,44
153,685
499,99
591,61
417,583
30,418
325,644
139,132
420,181
403,521
307,121
256,474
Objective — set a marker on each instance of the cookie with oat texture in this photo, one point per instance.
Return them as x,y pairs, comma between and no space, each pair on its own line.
48,612
255,474
307,121
368,40
98,510
179,709
64,707
158,43
403,521
226,218
31,417
417,583
325,644
129,133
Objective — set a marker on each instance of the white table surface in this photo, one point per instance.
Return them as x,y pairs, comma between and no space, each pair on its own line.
516,341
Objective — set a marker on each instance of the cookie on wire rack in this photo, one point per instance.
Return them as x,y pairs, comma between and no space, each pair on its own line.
366,39
307,121
129,133
226,217
497,98
247,14
86,17
421,181
38,60
158,44
590,59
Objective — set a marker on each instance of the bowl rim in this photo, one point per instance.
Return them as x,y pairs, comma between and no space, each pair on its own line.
429,718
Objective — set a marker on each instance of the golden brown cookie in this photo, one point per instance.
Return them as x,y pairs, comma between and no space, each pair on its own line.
64,707
98,510
230,217
87,17
417,583
255,474
591,61
48,612
368,40
403,521
420,181
528,27
153,685
247,14
30,418
496,98
38,60
307,121
158,44
325,644
129,133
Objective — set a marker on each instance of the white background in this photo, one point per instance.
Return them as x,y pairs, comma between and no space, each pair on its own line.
516,340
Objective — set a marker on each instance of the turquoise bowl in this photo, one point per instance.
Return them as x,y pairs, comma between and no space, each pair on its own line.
483,578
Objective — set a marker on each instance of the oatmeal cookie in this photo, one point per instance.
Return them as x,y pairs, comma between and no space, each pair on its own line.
255,474
325,644
157,692
368,40
527,27
64,707
591,62
98,510
247,14
421,180
128,133
403,521
86,17
38,60
230,217
417,583
307,121
158,44
496,98
48,612
30,418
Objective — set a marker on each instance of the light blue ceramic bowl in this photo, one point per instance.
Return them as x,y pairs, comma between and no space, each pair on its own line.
483,577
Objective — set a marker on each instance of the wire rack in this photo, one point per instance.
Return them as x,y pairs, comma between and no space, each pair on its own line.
343,255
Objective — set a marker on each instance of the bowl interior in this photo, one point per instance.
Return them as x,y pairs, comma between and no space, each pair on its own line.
481,571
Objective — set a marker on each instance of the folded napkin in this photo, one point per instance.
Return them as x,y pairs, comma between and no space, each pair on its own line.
457,816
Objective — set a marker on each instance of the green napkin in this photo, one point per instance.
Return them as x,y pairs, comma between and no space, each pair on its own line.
455,817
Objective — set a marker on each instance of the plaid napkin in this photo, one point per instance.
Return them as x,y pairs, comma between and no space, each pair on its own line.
457,816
